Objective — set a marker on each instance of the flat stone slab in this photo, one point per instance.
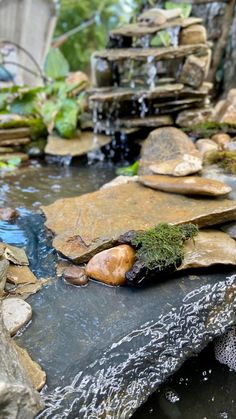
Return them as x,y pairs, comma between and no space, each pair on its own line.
93,222
188,185
16,313
33,370
78,146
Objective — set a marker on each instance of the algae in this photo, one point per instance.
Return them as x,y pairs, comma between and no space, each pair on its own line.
209,128
225,159
161,247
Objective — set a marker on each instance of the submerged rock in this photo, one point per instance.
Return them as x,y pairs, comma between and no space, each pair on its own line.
114,211
190,185
7,214
110,266
75,275
33,370
16,313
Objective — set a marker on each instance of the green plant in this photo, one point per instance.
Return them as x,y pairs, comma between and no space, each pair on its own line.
161,39
185,7
161,247
225,159
131,170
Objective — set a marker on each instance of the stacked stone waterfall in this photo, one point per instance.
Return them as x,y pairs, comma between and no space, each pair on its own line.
150,71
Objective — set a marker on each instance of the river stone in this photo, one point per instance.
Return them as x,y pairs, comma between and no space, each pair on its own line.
164,144
17,274
210,247
186,164
16,313
205,145
93,222
33,370
75,275
110,266
189,185
18,399
4,264
194,34
82,144
15,255
221,139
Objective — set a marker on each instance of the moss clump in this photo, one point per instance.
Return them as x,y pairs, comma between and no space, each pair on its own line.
225,159
209,128
161,247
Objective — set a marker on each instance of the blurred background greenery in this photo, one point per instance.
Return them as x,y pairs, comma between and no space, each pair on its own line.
89,21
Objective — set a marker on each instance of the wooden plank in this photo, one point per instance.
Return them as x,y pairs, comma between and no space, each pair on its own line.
142,54
135,29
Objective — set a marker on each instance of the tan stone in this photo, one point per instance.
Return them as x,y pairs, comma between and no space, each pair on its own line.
164,144
20,275
75,275
157,16
33,370
4,264
192,117
182,166
221,139
194,71
14,133
80,145
16,313
119,180
194,34
110,266
205,145
209,247
15,255
93,222
225,111
190,185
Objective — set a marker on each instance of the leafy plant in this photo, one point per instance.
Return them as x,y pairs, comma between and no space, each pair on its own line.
131,170
185,7
56,66
161,247
161,39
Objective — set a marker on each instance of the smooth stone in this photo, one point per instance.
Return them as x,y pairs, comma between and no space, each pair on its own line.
192,117
221,139
83,143
194,34
8,214
110,266
186,164
87,224
205,145
231,146
4,264
75,275
17,274
164,144
120,180
210,247
190,185
16,313
34,372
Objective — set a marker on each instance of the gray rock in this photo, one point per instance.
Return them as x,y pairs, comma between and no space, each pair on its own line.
18,399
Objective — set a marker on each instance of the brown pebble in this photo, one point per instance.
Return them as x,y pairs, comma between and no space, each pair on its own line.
75,275
221,139
7,214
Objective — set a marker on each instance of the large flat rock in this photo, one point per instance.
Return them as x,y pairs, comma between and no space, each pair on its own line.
93,222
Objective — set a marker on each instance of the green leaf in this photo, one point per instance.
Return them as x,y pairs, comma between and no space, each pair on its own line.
3,100
14,161
128,170
56,66
185,7
25,104
66,118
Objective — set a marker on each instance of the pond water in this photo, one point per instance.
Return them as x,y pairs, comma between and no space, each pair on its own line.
62,333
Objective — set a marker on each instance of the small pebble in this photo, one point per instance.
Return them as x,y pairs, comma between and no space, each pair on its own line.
75,275
7,214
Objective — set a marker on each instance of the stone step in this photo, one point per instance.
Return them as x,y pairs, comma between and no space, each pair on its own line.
6,134
142,54
148,121
134,29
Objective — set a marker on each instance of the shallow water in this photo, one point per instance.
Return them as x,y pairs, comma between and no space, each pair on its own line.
72,327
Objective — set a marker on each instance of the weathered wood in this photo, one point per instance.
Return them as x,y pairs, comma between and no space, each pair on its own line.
135,29
18,399
141,54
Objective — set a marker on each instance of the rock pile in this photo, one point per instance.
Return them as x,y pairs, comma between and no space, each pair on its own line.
150,70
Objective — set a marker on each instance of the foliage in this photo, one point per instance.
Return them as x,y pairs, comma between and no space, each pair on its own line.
11,164
185,7
131,170
56,66
104,15
161,39
225,159
161,247
209,128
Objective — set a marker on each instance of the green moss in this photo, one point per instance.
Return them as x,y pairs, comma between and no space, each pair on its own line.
209,128
225,159
162,246
36,125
